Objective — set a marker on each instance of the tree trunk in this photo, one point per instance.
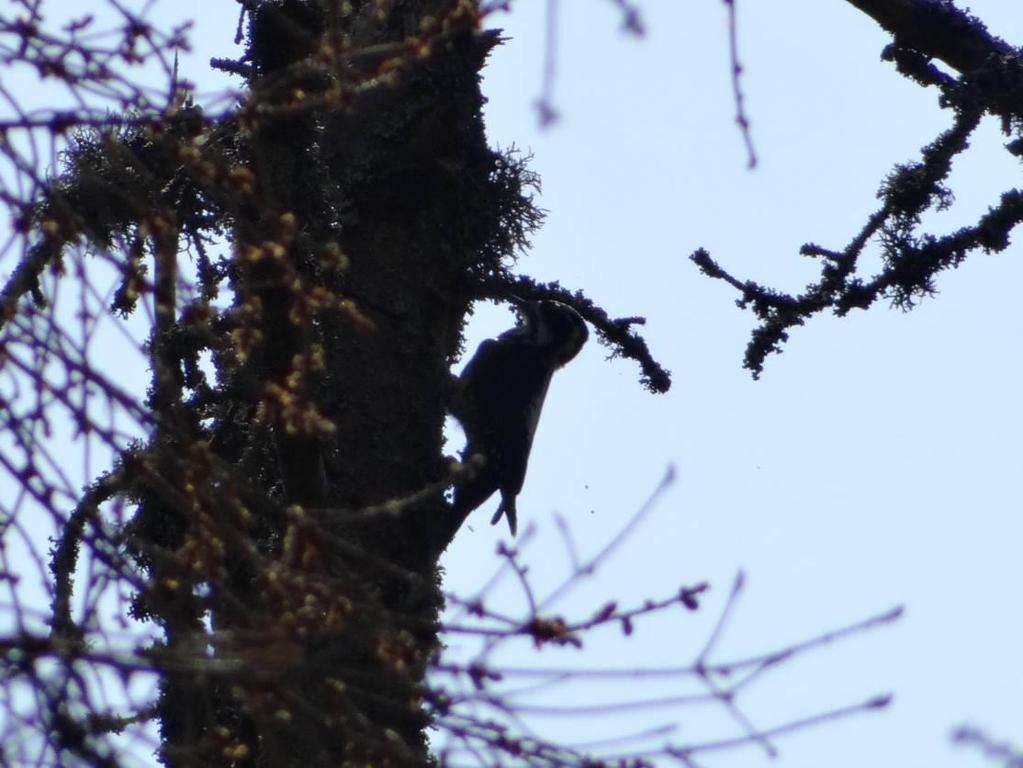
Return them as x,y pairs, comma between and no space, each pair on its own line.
374,211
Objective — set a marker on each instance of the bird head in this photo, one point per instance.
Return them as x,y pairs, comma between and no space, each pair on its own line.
555,328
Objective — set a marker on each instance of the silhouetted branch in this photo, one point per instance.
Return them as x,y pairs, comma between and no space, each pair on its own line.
632,23
1000,753
741,119
517,698
615,333
937,29
992,84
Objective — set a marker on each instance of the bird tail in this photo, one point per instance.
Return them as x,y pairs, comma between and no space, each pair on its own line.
507,507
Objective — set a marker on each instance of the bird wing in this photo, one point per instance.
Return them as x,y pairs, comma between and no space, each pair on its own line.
498,400
480,372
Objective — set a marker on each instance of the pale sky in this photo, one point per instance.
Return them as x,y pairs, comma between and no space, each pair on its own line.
876,463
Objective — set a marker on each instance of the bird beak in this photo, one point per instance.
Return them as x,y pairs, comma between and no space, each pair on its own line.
523,308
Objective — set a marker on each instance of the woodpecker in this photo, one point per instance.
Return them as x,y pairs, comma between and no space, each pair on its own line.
499,396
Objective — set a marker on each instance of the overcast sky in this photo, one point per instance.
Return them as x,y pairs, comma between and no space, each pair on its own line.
878,461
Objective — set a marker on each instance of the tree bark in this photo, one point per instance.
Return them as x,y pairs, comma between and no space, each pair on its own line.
377,201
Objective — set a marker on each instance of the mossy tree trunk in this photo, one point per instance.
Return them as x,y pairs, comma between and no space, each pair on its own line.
365,213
